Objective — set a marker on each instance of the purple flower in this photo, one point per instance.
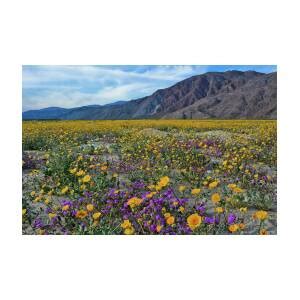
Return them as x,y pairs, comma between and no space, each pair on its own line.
231,218
209,220
66,202
201,208
153,228
38,223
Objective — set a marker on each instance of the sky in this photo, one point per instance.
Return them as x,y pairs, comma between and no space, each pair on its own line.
74,86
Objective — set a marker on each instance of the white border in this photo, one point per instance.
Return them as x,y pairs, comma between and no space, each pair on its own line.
150,32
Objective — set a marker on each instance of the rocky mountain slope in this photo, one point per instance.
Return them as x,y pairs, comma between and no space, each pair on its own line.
231,94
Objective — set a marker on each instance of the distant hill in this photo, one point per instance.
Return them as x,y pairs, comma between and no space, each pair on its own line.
231,94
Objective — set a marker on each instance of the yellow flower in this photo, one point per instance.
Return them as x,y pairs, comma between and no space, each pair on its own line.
195,191
219,209
231,186
260,215
37,199
66,207
47,201
40,231
133,202
158,187
81,214
167,215
151,187
215,198
86,178
150,195
164,181
238,190
129,231
32,193
51,215
90,207
126,224
170,220
73,171
233,227
243,209
64,190
181,188
96,215
181,209
213,184
194,221
24,211
80,173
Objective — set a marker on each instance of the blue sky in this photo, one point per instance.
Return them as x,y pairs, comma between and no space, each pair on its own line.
73,86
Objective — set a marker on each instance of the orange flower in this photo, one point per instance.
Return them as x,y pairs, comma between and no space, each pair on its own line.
170,220
133,202
242,226
65,207
194,221
158,228
260,215
233,228
81,214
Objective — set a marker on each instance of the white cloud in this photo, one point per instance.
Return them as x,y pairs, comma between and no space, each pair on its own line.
71,86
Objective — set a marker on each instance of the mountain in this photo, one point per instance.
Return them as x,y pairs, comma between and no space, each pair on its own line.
231,94
44,113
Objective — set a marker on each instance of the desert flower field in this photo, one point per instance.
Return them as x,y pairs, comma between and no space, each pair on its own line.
149,177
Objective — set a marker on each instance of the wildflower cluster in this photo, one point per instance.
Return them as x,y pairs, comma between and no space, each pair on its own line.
149,177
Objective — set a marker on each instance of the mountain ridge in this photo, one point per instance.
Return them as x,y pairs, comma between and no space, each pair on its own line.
231,94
